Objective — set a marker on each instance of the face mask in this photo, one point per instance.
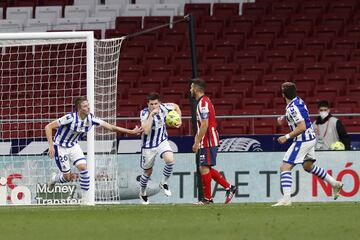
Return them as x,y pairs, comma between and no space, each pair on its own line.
323,114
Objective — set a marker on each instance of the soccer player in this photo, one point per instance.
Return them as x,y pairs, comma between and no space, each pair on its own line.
207,140
65,148
302,150
155,142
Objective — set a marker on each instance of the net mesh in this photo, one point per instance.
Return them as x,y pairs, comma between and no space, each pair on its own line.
39,80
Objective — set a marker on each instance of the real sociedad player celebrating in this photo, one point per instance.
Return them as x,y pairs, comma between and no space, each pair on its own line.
302,150
65,148
155,142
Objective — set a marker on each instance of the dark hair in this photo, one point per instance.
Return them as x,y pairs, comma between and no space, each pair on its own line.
153,96
78,101
199,83
289,90
323,103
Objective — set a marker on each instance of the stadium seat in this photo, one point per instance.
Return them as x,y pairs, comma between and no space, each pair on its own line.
258,43
287,8
255,68
343,6
214,22
247,56
137,10
353,90
345,101
165,10
233,91
97,23
21,14
297,31
264,126
335,55
236,34
246,111
285,68
327,92
111,11
346,43
155,58
246,80
243,21
255,9
266,92
216,57
234,127
347,67
226,9
314,7
338,80
287,43
306,56
272,56
255,103
10,26
81,12
68,24
327,31
224,69
161,70
128,24
316,43
199,10
152,21
335,18
317,67
305,19
274,20
225,103
156,82
37,25
131,70
50,13
352,31
352,125
268,32
275,79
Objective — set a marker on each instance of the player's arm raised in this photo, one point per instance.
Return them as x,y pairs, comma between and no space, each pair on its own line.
300,128
178,110
136,131
48,131
147,123
203,128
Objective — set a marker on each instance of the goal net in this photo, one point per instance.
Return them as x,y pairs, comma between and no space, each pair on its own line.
40,76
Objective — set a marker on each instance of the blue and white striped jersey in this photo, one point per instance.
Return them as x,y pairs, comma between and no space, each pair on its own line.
158,132
72,128
296,112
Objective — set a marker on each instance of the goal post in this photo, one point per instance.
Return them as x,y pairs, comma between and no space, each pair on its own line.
40,76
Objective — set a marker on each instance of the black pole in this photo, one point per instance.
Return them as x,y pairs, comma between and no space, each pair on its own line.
193,103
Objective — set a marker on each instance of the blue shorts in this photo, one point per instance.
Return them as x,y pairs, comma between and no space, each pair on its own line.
208,156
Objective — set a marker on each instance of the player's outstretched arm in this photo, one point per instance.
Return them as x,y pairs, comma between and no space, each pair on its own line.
300,128
136,131
48,131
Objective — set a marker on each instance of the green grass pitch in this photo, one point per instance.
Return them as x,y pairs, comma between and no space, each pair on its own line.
234,221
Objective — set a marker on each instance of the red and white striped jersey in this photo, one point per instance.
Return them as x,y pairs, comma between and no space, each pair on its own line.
205,110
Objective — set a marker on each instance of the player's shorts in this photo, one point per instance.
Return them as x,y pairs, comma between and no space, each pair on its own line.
65,157
208,156
299,152
148,155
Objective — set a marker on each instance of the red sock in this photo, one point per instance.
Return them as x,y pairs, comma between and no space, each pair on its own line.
219,178
206,182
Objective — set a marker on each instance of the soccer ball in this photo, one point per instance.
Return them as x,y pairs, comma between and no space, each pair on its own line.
172,118
337,146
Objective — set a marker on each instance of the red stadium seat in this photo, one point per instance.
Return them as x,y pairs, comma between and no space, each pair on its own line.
305,19
272,56
335,55
255,9
287,43
317,67
327,31
297,31
155,82
353,90
285,68
258,43
316,43
343,6
255,68
217,57
314,7
199,10
346,43
266,92
346,101
243,21
153,21
287,7
310,80
338,80
246,111
224,69
234,127
274,20
228,46
225,103
131,70
245,79
275,79
226,9
306,56
352,125
269,32
336,18
161,70
233,91
352,31
236,34
128,24
347,67
247,56
214,22
216,81
155,58
265,126
255,103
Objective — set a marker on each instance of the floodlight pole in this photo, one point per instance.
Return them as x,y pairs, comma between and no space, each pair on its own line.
193,103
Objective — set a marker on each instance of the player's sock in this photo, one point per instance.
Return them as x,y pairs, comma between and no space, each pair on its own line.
59,178
321,173
168,169
206,182
143,183
286,182
219,178
84,180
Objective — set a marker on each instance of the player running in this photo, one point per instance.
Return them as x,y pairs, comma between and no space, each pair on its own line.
65,148
155,141
207,140
302,150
